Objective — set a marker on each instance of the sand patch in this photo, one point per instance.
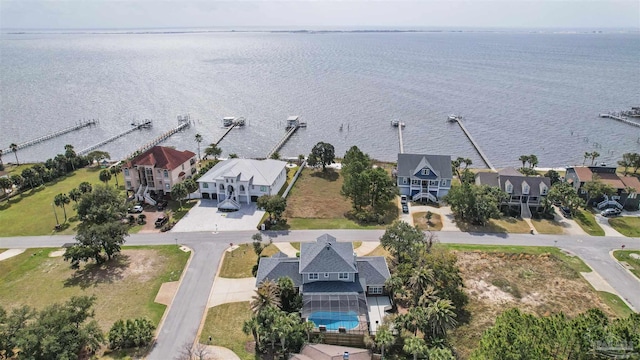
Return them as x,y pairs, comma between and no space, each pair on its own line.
57,253
167,292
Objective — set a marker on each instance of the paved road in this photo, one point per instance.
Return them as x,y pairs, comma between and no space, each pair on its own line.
183,318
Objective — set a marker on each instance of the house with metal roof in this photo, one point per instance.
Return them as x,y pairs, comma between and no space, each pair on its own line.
626,188
424,177
236,181
525,192
157,170
341,291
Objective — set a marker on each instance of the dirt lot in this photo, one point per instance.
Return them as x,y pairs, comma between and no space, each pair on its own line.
538,284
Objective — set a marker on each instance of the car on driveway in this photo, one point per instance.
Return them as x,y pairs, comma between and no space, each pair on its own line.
161,220
405,208
565,211
403,199
136,209
611,212
162,204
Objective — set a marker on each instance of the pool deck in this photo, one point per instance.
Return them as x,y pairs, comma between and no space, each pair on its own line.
377,306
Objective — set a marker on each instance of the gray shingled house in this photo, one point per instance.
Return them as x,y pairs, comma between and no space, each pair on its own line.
341,292
424,177
525,192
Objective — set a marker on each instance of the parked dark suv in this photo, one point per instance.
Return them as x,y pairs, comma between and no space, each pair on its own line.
163,219
162,204
565,211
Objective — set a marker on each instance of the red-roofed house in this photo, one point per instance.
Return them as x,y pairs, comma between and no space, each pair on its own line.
627,187
157,170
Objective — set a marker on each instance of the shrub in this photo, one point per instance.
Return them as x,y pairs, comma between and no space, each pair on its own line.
131,333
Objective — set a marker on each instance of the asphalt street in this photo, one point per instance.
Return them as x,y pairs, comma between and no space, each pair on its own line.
183,318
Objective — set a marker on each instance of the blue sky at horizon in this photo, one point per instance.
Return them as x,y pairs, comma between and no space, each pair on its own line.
402,14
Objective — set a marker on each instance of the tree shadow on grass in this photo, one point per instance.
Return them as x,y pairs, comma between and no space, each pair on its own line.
94,274
328,174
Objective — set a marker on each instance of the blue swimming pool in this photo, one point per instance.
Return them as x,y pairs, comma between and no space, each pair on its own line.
334,320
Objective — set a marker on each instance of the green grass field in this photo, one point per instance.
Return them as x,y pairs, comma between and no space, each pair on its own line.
503,225
125,288
224,325
544,226
625,255
419,220
32,212
239,262
587,222
627,225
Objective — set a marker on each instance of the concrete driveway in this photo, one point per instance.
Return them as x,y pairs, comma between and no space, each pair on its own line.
205,216
227,290
603,221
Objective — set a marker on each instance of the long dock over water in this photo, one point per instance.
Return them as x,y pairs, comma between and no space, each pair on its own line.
144,125
620,118
473,142
293,123
399,125
78,126
184,122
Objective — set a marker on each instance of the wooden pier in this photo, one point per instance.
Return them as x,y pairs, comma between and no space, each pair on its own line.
399,125
143,125
620,118
225,133
184,122
484,157
78,126
293,124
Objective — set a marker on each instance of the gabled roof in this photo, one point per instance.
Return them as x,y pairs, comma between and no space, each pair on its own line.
631,182
161,157
612,180
409,163
498,180
583,173
327,255
263,172
330,352
509,171
274,268
374,269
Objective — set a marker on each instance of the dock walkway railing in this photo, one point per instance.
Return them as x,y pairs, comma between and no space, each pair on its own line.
475,144
78,126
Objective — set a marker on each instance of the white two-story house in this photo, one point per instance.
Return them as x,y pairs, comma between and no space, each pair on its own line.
424,177
236,181
157,170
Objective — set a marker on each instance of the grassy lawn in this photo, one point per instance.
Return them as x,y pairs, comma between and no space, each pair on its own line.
315,203
627,225
615,303
503,225
624,255
379,251
420,221
587,222
179,212
32,213
224,325
544,226
125,288
238,263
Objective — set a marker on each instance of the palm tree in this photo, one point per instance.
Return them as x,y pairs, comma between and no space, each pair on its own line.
115,171
419,280
252,326
429,295
384,338
441,317
178,192
75,194
524,159
267,294
70,154
198,140
1,163
300,159
594,155
533,161
212,150
29,176
5,185
14,148
586,156
308,327
105,176
275,156
60,200
415,345
18,181
85,187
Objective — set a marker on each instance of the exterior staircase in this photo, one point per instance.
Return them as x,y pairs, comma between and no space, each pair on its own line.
146,198
229,204
424,195
525,211
608,202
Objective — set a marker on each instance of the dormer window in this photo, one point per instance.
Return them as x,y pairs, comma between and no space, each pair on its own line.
426,171
543,190
525,188
508,187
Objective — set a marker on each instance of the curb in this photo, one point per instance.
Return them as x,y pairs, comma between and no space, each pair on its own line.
622,266
166,311
203,318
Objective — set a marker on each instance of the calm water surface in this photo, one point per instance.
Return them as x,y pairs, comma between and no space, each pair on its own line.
519,93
